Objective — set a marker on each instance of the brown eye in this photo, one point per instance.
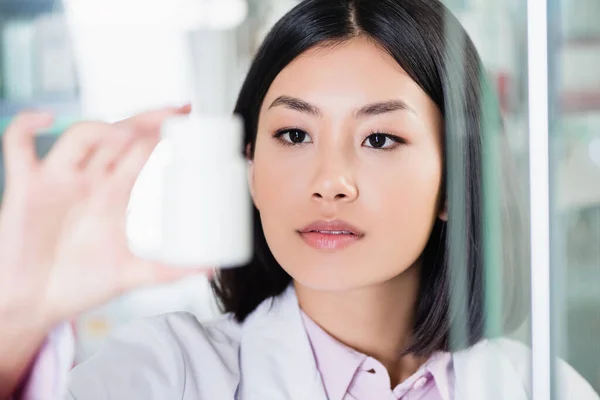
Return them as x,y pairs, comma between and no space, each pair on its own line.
297,136
292,137
383,141
377,141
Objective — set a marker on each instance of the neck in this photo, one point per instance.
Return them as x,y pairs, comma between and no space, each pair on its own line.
374,320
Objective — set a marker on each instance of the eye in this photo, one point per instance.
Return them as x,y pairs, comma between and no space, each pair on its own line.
292,137
383,141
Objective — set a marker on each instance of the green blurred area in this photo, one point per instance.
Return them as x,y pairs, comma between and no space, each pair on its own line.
61,123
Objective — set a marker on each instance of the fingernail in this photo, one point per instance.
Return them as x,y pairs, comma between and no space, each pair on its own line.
185,108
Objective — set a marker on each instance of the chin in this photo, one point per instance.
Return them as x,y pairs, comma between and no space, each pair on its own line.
327,286
326,278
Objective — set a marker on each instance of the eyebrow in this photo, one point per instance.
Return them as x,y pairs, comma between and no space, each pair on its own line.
384,107
378,108
296,104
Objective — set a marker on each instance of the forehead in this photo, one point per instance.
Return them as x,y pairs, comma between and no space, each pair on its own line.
353,73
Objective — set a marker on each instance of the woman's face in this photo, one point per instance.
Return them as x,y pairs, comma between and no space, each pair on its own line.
347,167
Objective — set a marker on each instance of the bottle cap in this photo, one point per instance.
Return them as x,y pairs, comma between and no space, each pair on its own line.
214,70
201,138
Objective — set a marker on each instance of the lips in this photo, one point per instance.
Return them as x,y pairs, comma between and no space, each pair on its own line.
332,227
330,235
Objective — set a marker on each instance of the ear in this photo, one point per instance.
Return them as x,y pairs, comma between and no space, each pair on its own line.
443,215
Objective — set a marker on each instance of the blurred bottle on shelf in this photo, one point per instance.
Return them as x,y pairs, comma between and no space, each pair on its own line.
37,59
18,64
55,72
580,19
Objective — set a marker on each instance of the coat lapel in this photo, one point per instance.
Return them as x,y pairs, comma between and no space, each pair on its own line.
276,358
485,372
277,362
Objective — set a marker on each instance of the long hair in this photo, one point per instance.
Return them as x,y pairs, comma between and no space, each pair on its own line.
415,34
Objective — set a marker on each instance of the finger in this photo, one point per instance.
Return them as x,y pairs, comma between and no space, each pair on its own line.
19,140
128,169
143,125
151,121
110,151
141,272
77,145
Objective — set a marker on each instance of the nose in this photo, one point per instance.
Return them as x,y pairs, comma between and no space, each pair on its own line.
334,181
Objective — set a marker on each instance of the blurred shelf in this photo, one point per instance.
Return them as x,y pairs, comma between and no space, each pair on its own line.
582,41
580,102
27,8
66,111
61,123
583,285
64,106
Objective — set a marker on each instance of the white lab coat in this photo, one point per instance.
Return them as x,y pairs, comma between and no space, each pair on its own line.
269,357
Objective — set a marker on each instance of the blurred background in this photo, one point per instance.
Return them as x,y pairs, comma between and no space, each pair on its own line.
107,59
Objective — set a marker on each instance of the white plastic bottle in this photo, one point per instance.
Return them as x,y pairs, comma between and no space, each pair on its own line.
206,218
207,212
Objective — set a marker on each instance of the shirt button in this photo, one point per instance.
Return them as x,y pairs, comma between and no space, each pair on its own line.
419,383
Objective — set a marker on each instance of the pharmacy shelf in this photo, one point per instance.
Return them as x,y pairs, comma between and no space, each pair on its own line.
66,111
26,8
582,285
580,102
63,106
585,50
589,41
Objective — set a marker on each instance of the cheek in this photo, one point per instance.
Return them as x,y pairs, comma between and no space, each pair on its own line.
410,190
403,200
410,183
280,196
278,181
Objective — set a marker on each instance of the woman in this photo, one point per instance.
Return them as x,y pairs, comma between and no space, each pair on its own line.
353,109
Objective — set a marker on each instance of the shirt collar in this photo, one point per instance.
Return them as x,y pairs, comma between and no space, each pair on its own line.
441,368
338,363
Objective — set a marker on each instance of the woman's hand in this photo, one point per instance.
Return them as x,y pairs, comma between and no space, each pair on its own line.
63,248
